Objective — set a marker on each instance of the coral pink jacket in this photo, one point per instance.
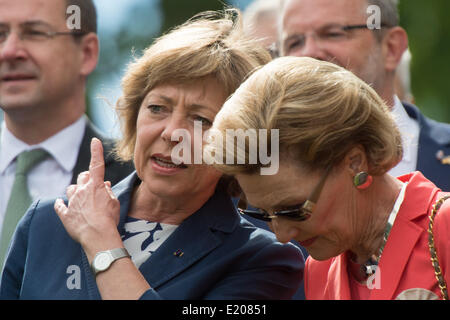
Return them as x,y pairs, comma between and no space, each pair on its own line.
406,262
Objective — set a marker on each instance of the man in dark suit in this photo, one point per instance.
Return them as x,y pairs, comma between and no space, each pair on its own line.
47,50
364,36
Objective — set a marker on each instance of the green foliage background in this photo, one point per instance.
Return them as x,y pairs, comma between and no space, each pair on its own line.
428,27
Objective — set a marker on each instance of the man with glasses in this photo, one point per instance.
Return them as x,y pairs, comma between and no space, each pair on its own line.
343,32
45,137
260,22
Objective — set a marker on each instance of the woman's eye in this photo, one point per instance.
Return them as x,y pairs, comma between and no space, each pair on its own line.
295,44
155,108
203,120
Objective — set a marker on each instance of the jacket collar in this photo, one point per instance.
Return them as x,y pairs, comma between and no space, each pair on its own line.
84,155
338,282
219,203
419,195
434,131
405,233
65,154
195,237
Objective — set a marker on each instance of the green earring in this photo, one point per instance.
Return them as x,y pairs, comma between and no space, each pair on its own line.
362,180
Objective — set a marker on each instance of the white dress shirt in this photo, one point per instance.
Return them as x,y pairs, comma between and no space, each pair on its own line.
49,178
409,130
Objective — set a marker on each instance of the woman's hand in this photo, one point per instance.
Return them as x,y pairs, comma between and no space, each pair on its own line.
92,215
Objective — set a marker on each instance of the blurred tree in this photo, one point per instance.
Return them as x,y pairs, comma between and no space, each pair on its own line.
120,39
176,12
428,28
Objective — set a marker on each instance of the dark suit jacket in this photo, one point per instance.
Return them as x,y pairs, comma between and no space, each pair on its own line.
300,293
434,136
115,170
224,257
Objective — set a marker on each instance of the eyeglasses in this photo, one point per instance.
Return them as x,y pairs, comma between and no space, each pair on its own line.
328,34
301,212
37,35
273,50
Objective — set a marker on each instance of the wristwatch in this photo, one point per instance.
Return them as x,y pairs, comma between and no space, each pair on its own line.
103,259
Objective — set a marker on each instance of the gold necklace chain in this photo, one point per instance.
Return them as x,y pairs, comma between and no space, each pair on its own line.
371,265
434,258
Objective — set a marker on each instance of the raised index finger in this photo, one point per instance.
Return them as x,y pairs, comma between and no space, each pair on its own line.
97,164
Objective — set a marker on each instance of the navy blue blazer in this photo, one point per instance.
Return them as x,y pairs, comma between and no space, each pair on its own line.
225,257
434,136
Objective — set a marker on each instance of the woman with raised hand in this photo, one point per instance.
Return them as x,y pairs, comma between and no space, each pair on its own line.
170,230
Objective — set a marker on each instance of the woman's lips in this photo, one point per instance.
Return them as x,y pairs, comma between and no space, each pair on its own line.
165,166
308,242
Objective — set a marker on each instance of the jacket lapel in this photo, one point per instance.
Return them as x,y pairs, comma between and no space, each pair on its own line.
404,235
337,285
433,138
194,238
193,241
84,154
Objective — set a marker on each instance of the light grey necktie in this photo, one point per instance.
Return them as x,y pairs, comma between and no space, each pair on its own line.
20,198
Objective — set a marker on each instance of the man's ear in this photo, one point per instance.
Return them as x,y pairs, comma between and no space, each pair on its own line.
394,44
90,49
355,160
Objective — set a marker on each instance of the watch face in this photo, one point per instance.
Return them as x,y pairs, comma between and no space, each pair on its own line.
102,261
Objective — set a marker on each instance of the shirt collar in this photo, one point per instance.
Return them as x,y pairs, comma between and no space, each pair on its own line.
63,146
10,147
409,130
399,112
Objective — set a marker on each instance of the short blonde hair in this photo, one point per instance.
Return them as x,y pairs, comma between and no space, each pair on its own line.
321,111
209,44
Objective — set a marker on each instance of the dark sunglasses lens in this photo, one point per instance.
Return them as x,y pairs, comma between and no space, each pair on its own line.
297,215
255,214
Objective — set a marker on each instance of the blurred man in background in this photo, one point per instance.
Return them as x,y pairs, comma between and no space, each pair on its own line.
47,50
261,22
338,31
403,79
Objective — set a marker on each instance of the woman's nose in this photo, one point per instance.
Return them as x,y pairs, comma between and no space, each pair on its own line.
175,130
283,230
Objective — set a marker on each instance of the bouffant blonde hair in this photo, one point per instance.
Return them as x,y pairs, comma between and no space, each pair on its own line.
209,44
321,111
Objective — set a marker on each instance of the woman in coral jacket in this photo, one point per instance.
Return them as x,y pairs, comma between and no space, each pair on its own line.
365,230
